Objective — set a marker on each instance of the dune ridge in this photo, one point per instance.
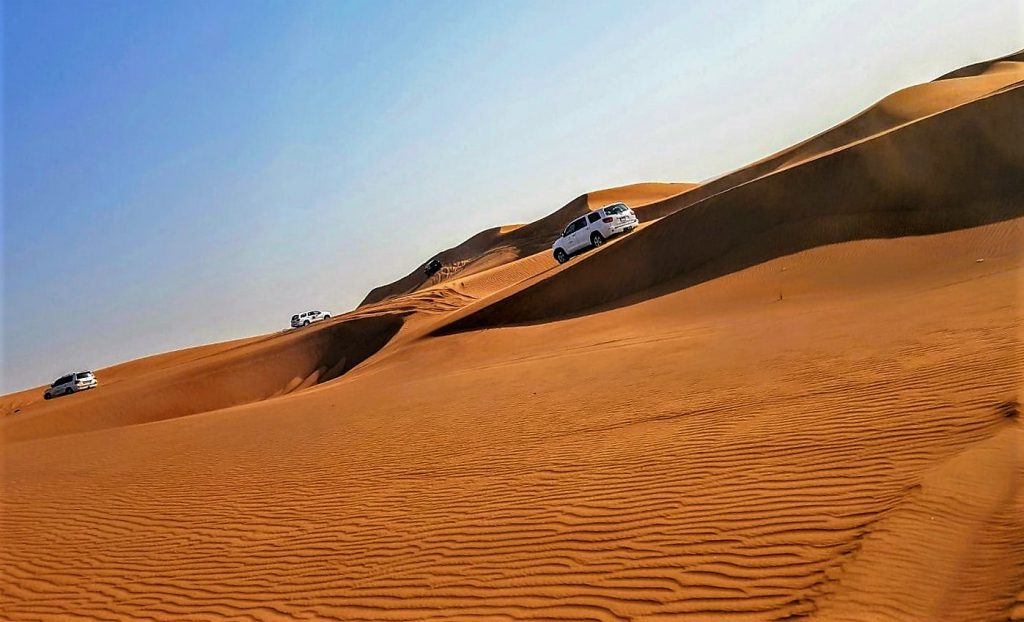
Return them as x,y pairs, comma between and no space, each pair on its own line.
490,248
501,245
251,371
905,106
908,181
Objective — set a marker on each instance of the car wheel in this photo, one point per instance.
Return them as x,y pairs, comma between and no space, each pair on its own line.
306,323
561,256
68,391
596,239
327,317
47,396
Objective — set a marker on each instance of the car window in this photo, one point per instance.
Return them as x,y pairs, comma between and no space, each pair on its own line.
579,224
83,374
615,209
62,380
594,217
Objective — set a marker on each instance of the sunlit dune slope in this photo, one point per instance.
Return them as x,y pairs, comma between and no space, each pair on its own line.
907,105
495,247
638,196
253,370
849,452
502,245
955,169
13,402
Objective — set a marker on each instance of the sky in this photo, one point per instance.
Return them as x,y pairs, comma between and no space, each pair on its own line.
183,172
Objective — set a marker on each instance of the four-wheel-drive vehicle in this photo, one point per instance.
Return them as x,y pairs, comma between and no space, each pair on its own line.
307,318
593,229
71,383
433,267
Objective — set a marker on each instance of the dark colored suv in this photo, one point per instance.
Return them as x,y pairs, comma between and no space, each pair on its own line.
433,267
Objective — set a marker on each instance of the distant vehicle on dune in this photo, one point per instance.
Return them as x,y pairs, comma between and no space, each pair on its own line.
308,317
433,267
591,230
71,383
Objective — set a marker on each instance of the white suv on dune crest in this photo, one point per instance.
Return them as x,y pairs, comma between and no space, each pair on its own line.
591,230
308,317
71,383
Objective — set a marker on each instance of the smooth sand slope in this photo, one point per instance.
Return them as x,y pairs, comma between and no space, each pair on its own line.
905,106
794,398
955,169
496,246
501,245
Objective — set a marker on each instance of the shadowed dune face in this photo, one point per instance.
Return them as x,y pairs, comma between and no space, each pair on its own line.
257,370
908,105
957,169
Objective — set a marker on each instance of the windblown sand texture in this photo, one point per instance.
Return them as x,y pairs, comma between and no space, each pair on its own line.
791,394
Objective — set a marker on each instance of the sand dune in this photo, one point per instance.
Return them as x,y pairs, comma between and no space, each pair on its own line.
910,104
253,370
708,454
796,397
10,404
494,247
501,245
956,169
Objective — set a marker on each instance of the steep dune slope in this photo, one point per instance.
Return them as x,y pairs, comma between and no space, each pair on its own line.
11,403
907,105
955,169
254,370
494,247
847,453
502,245
641,197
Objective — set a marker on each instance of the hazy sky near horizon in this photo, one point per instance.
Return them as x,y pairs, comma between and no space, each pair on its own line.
183,172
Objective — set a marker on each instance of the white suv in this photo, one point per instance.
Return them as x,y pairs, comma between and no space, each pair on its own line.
71,383
305,319
593,229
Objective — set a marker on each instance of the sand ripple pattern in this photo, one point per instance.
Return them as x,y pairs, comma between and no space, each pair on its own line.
846,468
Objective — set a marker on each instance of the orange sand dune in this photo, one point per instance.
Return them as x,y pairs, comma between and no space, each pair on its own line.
13,402
637,195
847,453
910,104
795,397
955,169
501,245
255,370
494,247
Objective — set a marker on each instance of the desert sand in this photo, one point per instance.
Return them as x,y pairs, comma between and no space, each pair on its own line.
791,393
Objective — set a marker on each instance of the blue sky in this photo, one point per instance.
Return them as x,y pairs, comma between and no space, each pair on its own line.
183,172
